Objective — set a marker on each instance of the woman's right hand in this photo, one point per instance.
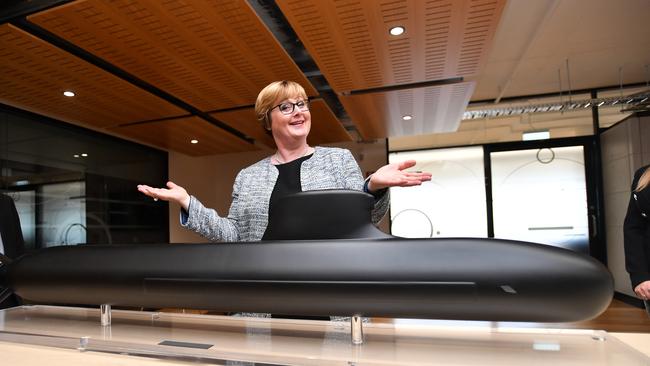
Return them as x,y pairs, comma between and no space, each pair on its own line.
173,192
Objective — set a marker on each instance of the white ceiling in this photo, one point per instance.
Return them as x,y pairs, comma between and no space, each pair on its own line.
604,43
535,38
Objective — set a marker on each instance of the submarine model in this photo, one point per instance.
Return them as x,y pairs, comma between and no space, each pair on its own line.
326,258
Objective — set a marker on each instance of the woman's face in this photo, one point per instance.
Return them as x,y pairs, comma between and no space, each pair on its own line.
293,126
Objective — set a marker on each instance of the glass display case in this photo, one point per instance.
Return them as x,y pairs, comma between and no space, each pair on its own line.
230,340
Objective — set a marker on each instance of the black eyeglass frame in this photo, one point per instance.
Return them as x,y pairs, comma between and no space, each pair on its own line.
293,107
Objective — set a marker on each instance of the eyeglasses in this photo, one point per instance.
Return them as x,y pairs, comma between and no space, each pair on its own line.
288,107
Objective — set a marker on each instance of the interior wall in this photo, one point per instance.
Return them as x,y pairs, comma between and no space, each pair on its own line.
623,152
211,178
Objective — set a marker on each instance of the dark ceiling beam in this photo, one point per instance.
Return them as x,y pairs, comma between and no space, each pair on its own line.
421,84
15,9
77,51
271,15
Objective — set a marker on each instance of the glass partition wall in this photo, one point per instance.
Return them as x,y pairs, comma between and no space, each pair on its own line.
539,195
74,186
452,204
530,191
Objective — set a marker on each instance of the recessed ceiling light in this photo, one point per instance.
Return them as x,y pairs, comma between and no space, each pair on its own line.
68,93
194,141
407,117
396,31
84,155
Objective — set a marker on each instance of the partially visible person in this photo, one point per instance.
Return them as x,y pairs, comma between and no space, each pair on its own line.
283,109
637,236
12,244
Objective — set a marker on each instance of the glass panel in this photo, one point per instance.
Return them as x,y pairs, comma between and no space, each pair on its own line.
24,201
451,205
539,195
64,214
73,185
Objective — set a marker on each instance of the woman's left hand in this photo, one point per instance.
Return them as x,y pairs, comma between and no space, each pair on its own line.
643,290
395,175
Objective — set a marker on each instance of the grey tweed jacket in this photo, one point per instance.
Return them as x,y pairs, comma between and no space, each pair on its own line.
328,168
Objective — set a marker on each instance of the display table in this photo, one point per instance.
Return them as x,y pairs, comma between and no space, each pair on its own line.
69,335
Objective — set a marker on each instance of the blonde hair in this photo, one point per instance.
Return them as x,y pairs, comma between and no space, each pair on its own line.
277,90
644,180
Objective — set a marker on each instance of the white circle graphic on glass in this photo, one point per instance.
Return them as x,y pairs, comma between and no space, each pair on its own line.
412,223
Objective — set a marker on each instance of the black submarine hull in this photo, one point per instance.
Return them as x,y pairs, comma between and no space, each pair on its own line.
453,278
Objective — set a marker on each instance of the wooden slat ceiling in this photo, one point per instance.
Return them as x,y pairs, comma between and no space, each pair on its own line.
34,75
325,127
165,72
176,134
211,54
350,42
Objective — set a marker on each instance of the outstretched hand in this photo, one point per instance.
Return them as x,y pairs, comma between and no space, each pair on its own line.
173,192
395,175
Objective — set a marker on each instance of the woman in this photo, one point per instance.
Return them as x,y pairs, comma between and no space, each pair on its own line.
637,235
283,108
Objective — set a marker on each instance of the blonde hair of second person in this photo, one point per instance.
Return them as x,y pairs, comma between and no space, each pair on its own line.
636,233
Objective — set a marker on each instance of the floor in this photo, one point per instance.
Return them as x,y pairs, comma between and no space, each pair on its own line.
619,317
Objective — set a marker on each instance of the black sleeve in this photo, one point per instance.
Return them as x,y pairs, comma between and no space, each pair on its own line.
634,233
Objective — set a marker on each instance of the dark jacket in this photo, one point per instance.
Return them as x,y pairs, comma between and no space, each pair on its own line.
12,238
636,231
328,168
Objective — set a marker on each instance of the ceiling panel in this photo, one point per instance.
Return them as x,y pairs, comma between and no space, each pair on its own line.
175,134
350,40
432,110
325,127
210,54
552,46
244,120
351,43
217,55
34,74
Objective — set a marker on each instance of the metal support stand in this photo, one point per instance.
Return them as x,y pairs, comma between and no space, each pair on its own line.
105,314
356,326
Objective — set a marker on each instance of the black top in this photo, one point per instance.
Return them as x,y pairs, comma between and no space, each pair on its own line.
636,231
288,182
